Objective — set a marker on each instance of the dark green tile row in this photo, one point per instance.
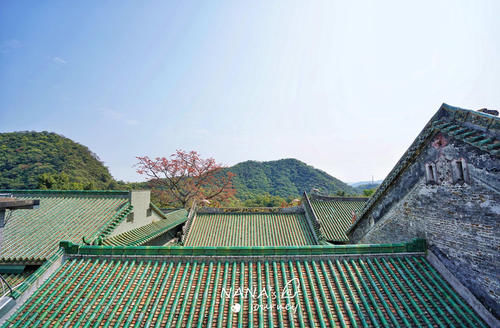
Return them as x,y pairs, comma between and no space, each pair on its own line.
418,245
142,235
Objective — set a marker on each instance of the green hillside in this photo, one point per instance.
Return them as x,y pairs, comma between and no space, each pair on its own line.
48,160
284,178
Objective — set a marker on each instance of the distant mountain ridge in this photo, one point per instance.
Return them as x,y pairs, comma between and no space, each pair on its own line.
31,160
285,178
364,185
361,183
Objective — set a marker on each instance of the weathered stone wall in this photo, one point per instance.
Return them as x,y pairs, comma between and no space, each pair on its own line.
459,219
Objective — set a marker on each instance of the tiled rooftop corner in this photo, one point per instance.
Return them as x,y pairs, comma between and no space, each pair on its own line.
32,236
146,233
333,214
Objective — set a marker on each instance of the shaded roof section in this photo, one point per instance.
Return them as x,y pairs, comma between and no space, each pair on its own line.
394,290
334,214
16,279
168,210
32,235
277,228
144,234
10,203
477,129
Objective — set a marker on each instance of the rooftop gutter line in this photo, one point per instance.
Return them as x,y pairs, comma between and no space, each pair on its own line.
189,223
461,290
23,291
157,210
250,210
416,245
3,281
243,258
159,232
315,217
112,223
147,238
339,198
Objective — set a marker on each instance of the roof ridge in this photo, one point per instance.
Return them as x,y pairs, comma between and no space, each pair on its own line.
106,229
435,125
453,110
413,246
313,220
338,198
250,210
160,227
51,191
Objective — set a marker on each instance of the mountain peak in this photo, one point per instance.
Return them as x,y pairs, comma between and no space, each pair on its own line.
288,177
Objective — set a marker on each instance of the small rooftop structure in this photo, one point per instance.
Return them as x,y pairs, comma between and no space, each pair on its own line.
145,234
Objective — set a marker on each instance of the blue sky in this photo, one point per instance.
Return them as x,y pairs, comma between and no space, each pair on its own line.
343,86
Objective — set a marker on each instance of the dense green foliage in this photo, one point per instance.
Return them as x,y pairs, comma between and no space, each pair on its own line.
46,160
49,161
369,192
264,200
285,178
361,188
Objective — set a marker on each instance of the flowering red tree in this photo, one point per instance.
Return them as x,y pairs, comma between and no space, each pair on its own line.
186,177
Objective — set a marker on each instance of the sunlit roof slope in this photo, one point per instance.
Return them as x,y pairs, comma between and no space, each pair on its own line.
335,214
33,235
374,285
278,228
146,233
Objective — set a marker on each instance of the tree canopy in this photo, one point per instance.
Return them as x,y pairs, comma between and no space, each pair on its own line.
185,177
285,178
49,161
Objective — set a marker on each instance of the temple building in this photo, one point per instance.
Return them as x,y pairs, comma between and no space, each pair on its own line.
30,237
446,189
424,250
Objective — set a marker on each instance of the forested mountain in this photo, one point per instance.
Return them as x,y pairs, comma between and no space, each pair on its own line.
31,160
285,178
45,160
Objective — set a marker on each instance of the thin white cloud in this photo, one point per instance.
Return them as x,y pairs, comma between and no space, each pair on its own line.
59,60
132,122
9,45
117,116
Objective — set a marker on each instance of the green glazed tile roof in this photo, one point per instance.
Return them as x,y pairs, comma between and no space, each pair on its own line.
15,279
33,235
142,235
249,229
200,291
335,215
